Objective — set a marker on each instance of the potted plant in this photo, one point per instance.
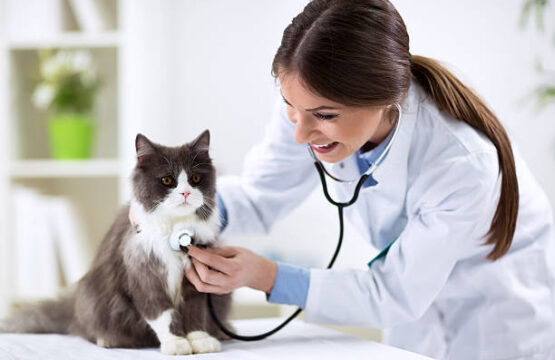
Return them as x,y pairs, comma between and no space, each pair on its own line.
68,86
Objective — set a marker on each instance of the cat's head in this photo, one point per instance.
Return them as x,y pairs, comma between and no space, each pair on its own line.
175,181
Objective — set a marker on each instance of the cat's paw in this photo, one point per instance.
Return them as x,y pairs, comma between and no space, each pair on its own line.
103,343
176,346
202,342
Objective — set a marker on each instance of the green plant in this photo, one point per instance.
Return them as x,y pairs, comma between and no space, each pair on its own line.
68,84
538,8
545,92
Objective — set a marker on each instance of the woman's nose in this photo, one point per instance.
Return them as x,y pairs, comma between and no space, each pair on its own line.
304,128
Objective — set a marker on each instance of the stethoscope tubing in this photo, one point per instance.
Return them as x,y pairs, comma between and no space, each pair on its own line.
340,206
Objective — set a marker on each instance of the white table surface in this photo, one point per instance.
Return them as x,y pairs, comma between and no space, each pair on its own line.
298,340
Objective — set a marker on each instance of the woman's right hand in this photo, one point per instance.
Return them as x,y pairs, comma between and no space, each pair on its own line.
220,270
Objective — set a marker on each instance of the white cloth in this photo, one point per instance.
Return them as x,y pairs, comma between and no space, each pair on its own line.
297,340
434,293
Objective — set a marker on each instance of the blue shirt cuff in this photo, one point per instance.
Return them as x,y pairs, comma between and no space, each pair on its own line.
290,286
223,212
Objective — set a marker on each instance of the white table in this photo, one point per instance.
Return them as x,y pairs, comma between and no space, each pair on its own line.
298,340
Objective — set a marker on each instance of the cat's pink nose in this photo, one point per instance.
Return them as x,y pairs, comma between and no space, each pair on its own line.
186,194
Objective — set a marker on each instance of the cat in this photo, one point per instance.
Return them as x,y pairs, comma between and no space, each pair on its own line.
135,293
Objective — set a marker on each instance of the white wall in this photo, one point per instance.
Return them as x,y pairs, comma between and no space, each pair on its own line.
225,50
485,46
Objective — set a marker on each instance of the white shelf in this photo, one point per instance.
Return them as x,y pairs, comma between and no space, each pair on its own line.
75,39
31,169
93,186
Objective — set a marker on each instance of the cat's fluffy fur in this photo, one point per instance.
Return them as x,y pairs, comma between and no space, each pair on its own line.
135,294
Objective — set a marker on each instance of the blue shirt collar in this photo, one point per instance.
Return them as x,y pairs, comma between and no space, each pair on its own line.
367,158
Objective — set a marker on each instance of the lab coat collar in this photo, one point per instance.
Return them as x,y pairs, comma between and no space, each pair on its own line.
399,151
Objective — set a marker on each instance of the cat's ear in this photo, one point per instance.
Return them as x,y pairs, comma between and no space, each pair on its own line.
145,148
202,142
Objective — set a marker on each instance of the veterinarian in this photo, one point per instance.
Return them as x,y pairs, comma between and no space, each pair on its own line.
468,266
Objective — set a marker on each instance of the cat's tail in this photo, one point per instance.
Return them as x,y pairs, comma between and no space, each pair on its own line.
46,316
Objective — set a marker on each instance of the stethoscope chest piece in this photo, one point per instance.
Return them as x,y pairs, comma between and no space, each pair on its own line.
181,237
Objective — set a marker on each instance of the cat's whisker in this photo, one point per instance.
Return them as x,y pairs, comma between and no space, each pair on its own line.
199,165
207,207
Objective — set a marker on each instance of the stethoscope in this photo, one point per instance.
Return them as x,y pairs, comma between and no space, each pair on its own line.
340,206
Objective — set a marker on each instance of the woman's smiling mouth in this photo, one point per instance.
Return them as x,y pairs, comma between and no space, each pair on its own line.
325,148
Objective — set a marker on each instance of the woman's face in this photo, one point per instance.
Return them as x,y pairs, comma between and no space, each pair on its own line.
334,131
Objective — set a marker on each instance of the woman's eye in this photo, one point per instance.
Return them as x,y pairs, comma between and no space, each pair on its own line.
196,178
167,181
325,116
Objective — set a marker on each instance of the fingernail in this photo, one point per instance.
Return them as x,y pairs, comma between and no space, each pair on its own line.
185,249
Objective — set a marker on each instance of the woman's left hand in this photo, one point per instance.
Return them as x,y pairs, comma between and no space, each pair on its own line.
220,270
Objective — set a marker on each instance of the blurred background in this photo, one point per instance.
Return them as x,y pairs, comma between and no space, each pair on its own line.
80,78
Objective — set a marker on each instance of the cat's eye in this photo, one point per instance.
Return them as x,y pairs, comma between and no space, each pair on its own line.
167,181
196,178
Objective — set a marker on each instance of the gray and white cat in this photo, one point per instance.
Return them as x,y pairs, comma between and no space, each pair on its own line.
135,294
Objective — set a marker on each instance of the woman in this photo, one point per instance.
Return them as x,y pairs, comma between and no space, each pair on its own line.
468,274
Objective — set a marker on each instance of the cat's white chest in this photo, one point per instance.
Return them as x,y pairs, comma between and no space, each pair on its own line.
175,271
155,241
157,229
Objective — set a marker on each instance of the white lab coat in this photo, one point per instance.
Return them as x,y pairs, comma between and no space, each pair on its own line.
434,293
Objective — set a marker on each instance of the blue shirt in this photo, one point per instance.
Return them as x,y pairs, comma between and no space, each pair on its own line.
366,159
292,282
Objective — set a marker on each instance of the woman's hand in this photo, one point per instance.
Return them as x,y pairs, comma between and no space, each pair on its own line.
221,270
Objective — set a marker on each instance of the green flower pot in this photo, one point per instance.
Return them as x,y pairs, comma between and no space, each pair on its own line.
71,136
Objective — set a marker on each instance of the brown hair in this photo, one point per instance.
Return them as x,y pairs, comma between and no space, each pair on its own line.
356,52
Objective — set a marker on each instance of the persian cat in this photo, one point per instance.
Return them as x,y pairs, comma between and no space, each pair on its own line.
135,293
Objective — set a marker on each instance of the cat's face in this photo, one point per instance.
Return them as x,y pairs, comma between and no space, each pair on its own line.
175,181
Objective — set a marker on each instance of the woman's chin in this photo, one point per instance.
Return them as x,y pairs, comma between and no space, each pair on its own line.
333,157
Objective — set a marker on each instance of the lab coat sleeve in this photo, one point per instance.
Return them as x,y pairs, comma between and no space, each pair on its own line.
449,211
278,175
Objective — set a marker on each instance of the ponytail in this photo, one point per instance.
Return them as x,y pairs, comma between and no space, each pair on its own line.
453,97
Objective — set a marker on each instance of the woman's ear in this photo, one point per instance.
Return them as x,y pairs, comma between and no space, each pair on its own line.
392,113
